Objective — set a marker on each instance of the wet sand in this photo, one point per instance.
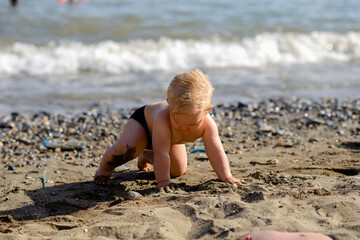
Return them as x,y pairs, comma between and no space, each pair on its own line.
299,158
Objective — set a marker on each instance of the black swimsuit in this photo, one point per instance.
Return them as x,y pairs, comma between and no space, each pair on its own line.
139,116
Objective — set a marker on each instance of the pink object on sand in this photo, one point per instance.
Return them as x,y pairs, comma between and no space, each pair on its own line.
274,235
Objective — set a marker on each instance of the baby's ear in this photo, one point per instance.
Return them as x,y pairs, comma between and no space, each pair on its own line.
209,108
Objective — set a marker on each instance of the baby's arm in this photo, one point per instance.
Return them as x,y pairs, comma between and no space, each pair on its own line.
216,153
161,146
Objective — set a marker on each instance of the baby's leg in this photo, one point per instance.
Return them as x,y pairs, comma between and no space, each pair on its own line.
130,144
274,235
145,160
178,158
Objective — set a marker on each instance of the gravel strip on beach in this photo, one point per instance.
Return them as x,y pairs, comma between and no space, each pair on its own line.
285,148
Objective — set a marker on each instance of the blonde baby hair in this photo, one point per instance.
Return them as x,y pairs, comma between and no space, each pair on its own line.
189,93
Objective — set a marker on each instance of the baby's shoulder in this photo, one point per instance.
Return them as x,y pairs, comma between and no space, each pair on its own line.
210,125
209,120
156,109
162,115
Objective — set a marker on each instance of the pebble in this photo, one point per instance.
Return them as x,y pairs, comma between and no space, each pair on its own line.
120,168
11,168
132,195
312,140
266,128
219,200
93,165
272,161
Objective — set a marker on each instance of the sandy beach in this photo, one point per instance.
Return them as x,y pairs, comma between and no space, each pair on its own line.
299,158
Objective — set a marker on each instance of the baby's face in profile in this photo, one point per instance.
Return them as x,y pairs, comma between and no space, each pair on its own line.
187,122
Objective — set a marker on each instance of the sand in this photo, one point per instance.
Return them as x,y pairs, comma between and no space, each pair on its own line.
301,169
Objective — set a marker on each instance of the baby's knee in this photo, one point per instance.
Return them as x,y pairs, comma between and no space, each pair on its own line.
120,154
119,149
177,172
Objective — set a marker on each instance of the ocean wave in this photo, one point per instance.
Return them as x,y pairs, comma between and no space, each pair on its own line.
166,54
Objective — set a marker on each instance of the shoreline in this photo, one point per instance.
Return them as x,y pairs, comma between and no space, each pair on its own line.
299,158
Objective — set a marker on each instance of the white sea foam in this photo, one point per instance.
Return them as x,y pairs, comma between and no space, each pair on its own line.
165,54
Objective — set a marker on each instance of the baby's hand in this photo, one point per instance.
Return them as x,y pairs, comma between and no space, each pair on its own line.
234,180
163,184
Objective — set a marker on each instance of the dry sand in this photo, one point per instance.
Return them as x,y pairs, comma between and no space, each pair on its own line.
301,170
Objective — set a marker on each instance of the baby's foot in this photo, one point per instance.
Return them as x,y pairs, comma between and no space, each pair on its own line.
102,177
145,160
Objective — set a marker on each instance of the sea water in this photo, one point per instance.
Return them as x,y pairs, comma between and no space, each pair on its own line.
120,53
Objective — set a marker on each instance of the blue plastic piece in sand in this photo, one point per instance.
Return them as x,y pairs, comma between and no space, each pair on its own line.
46,143
198,150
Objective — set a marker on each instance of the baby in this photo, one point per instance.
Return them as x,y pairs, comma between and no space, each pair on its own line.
157,133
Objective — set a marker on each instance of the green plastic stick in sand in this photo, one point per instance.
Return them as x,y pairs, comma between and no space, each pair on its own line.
44,181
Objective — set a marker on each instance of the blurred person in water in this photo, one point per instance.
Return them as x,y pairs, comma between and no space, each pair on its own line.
14,3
